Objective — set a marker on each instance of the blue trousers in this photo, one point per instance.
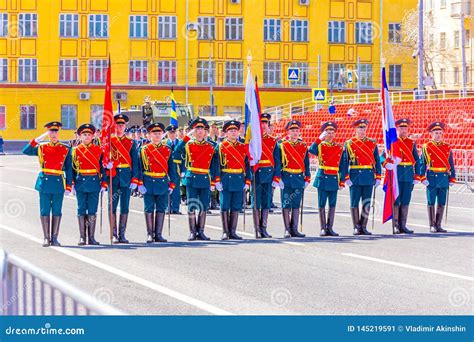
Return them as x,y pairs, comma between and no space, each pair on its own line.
87,203
327,196
175,198
263,194
198,198
405,190
51,204
435,194
232,200
122,194
360,192
155,202
291,197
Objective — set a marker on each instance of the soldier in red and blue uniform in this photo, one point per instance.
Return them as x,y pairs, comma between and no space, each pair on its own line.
362,171
295,177
54,181
233,178
328,178
201,164
267,177
88,175
124,176
157,172
437,174
172,141
408,174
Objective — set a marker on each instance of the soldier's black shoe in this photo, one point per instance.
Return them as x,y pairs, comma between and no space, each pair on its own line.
263,224
234,217
355,221
439,219
82,230
114,229
122,228
192,226
285,212
56,221
45,223
364,219
365,231
225,225
201,223
159,222
322,222
201,236
149,221
323,232
403,220
357,231
295,215
91,224
330,221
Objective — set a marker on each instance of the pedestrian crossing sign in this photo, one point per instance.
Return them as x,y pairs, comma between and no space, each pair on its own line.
320,95
293,74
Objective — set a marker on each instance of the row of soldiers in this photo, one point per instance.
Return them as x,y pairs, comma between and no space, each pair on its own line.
157,168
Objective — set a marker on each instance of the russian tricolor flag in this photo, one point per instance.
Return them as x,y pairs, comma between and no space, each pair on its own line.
390,185
253,129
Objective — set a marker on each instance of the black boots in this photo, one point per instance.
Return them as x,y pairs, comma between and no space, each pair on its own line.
330,222
149,221
322,222
364,219
122,227
355,221
45,223
82,230
192,226
159,223
56,221
295,215
114,228
286,222
396,220
256,223
439,219
403,216
201,223
263,223
91,221
225,218
234,218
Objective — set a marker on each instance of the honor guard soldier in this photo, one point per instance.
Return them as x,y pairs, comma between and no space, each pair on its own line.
267,177
124,176
438,174
88,174
157,171
172,142
295,175
408,174
361,170
54,181
328,178
233,178
201,163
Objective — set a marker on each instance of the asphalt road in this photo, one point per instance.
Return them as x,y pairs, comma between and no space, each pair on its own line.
377,275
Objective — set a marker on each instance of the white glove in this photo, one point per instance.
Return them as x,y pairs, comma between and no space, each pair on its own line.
182,174
67,193
170,190
349,182
341,187
281,184
275,184
133,186
246,187
190,133
142,189
41,137
103,189
425,182
323,135
306,184
219,186
416,181
451,184
377,182
212,188
389,166
109,165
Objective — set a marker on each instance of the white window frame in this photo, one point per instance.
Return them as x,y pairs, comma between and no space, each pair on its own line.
395,72
4,111
3,70
234,73
207,28
334,74
272,74
271,30
456,75
28,25
98,19
336,32
94,64
299,30
28,114
138,26
442,41
167,26
364,32
67,66
303,73
395,33
96,115
202,72
69,25
142,67
28,66
366,75
457,39
167,66
234,28
66,121
442,76
3,24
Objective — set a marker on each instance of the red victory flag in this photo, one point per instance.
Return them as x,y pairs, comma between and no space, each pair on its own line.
107,118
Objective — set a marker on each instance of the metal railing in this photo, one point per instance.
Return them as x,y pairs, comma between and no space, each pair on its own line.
300,107
27,290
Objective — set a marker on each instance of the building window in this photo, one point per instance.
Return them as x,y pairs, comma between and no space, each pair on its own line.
167,27
138,26
394,33
167,72
337,32
272,30
233,111
97,71
207,27
68,116
3,24
28,25
233,28
456,75
206,71
98,25
335,72
443,4
431,41
96,115
363,33
442,76
68,25
365,75
234,73
468,38
3,117
442,40
27,70
304,74
68,70
395,75
27,117
272,73
299,30
207,110
138,72
456,39
3,69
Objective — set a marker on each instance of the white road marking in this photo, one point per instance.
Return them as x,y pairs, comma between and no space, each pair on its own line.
146,283
412,267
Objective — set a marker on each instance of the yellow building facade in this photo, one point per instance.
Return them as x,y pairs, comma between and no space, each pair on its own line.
53,54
